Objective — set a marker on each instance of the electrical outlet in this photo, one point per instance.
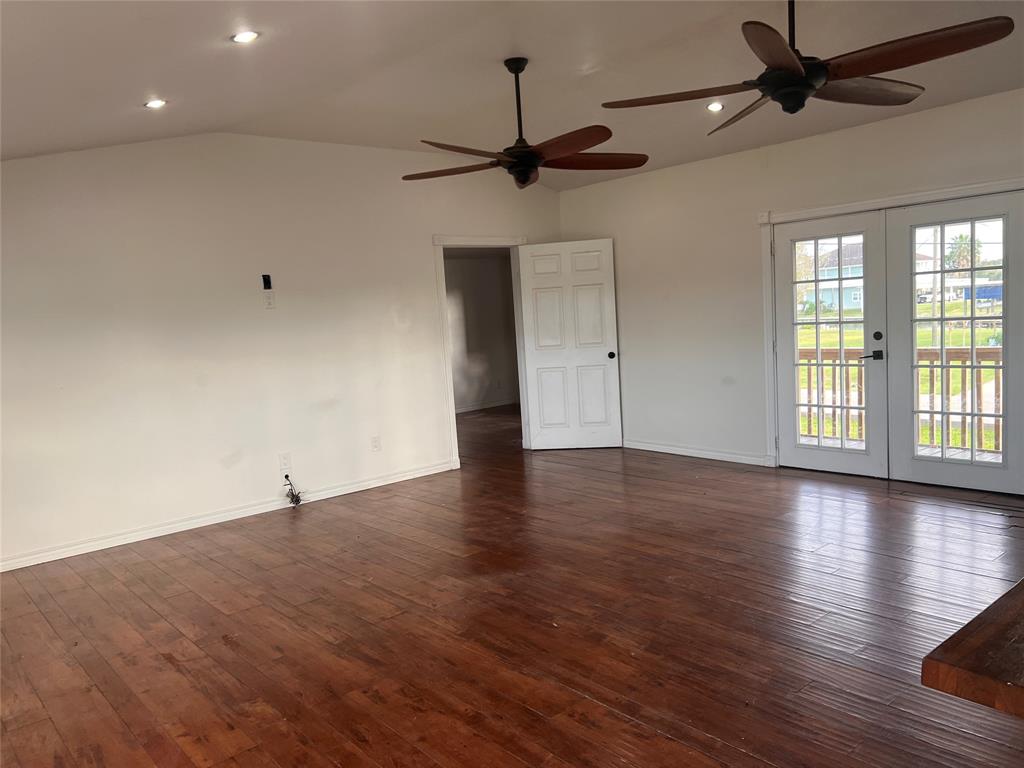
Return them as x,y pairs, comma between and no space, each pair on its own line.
268,299
375,443
284,461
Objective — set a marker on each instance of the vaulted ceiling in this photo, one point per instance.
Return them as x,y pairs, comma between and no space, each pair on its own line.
387,74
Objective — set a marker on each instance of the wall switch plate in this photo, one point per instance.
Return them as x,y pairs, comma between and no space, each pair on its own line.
375,443
268,299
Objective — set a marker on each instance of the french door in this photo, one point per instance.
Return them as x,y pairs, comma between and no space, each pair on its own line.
899,343
830,344
956,312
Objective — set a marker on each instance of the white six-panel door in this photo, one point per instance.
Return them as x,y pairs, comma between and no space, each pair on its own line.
569,345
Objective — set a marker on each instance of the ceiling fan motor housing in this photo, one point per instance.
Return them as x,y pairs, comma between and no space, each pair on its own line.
522,161
791,90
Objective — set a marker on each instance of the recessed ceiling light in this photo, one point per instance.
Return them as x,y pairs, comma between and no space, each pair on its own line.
156,104
245,36
715,106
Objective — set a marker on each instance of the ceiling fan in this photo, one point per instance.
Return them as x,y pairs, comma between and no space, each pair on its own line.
523,160
790,78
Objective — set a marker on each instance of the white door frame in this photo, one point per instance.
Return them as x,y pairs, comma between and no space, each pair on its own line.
462,241
768,219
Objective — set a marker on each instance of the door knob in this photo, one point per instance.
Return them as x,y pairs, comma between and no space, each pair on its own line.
611,355
876,354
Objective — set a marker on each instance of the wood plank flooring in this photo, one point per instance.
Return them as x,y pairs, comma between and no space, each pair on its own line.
570,608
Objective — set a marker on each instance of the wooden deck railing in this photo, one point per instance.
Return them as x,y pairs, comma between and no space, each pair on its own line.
833,361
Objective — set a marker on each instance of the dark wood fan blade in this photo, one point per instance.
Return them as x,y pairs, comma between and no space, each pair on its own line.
771,47
752,107
534,175
573,142
598,161
669,98
451,171
879,91
917,49
463,150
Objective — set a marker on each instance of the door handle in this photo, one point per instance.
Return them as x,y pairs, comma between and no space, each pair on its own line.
611,355
876,354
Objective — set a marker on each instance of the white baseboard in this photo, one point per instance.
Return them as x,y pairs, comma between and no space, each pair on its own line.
508,400
219,516
702,453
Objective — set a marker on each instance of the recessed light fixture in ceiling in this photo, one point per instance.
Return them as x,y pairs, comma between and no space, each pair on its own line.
715,106
245,36
156,104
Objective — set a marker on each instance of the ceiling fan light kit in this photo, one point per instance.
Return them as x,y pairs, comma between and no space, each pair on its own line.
789,79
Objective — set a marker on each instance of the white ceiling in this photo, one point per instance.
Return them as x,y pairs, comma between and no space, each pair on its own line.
386,74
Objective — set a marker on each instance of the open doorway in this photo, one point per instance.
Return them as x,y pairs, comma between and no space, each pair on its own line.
480,306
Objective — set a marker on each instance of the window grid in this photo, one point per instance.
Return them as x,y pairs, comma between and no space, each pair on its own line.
958,399
828,300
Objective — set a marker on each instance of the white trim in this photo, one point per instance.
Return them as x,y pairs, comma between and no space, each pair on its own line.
896,201
507,400
768,317
473,241
209,518
440,243
701,453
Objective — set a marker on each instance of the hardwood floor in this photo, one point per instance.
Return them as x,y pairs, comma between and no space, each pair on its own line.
569,608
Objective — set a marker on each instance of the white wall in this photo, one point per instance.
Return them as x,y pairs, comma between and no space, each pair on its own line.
481,321
145,388
143,381
688,256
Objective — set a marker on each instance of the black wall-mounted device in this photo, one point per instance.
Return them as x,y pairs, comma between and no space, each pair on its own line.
266,283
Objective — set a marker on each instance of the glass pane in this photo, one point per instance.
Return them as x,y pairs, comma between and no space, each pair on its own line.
988,390
807,384
828,342
956,337
853,342
808,421
988,243
928,389
926,249
828,300
853,256
956,248
831,384
803,260
853,436
853,299
957,437
928,295
956,383
956,294
929,435
832,428
803,303
853,385
989,439
806,343
988,340
988,292
927,343
828,258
